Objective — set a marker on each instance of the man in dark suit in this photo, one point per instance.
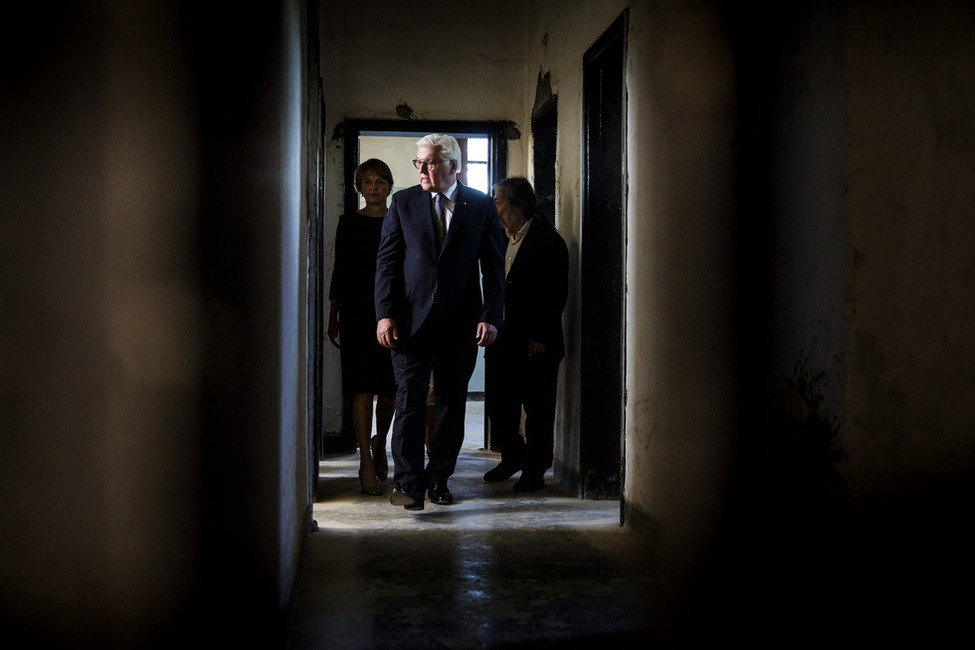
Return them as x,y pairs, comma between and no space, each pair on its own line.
436,238
522,368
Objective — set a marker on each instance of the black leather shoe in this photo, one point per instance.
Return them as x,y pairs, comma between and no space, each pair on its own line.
440,495
529,483
502,472
406,497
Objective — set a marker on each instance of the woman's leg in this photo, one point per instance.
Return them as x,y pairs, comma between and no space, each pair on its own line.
385,407
362,422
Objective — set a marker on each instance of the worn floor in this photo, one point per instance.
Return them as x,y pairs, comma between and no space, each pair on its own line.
497,569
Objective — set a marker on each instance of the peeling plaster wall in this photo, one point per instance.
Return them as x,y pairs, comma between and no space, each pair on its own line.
557,42
680,415
798,106
910,385
806,205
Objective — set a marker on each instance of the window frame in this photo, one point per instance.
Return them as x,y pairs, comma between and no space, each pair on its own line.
495,132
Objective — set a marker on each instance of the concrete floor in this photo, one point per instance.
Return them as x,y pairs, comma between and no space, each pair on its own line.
498,569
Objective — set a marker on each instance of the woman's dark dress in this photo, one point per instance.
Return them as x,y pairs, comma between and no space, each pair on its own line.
366,366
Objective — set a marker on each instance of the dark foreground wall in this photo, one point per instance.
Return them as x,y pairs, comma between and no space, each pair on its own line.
149,266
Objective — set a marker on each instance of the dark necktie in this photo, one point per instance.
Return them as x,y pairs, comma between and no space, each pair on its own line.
441,219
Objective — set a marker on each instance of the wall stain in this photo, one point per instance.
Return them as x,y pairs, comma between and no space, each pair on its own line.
949,94
891,419
404,111
802,452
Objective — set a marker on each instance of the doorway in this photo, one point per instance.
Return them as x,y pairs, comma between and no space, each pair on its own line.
602,266
485,155
544,144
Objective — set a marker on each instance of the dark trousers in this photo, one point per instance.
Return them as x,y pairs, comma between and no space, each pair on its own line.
452,368
510,383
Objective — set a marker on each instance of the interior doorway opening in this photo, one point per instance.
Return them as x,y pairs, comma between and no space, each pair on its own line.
485,153
545,131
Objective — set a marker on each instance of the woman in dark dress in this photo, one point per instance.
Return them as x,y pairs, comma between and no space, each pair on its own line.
367,369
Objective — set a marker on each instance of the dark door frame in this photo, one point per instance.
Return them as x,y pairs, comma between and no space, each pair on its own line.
602,408
315,292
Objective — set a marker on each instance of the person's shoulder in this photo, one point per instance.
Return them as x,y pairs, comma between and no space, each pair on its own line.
408,191
344,221
472,195
541,224
547,231
405,195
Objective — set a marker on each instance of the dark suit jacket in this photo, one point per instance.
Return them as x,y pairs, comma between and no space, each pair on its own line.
535,293
415,283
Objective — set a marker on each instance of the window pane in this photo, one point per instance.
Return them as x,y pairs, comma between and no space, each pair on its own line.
477,149
477,176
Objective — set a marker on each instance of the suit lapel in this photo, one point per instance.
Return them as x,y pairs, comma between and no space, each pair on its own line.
421,207
460,211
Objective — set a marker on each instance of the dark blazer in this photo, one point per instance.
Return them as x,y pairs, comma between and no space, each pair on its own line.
535,294
414,281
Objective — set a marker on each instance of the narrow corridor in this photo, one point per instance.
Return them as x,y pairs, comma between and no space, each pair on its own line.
498,569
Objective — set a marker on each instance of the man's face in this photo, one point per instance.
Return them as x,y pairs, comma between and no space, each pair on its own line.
504,211
438,177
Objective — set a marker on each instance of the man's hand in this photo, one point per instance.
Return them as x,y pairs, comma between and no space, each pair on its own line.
535,348
486,334
386,333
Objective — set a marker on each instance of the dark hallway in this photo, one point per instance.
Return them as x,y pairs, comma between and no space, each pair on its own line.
797,384
496,570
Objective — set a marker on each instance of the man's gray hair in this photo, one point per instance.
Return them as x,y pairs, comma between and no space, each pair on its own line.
446,143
